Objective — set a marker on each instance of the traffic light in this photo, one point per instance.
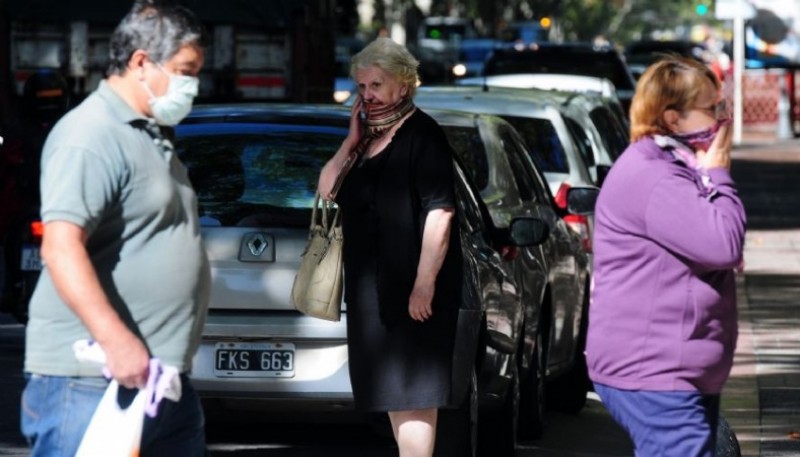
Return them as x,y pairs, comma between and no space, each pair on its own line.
701,8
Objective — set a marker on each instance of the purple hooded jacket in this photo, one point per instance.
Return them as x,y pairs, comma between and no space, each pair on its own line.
663,305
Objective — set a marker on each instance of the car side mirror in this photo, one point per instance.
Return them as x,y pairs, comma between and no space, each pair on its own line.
602,172
528,231
581,200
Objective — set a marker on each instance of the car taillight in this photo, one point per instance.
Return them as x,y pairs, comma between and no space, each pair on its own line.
37,231
580,224
561,196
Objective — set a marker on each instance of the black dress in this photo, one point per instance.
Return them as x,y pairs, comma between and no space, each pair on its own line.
397,363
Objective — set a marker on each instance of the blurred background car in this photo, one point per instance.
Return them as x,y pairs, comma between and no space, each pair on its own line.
346,48
255,171
525,32
472,54
45,98
641,54
566,58
438,44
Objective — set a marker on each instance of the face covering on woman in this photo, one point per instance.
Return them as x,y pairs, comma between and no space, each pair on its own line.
699,139
170,108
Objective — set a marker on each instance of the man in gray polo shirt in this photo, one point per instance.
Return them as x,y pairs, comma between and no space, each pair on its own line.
124,261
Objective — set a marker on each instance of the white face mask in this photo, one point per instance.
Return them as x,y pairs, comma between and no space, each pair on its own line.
170,108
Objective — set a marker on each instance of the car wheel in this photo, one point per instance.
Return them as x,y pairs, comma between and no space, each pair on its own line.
498,428
532,392
567,393
457,429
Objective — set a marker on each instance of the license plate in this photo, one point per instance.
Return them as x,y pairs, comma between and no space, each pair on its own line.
254,360
30,260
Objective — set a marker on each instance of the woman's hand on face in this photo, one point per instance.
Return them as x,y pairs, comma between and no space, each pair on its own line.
719,154
419,304
354,135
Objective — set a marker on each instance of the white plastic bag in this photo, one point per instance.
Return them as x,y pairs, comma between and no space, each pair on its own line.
114,431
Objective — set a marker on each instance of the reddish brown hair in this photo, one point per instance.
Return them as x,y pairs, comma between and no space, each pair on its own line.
674,82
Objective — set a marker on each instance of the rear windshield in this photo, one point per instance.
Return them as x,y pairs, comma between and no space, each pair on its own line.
542,142
562,61
470,150
255,174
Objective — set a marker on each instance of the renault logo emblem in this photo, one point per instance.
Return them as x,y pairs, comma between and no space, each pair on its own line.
257,244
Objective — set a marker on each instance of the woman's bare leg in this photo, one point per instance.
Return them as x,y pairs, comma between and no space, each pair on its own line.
414,431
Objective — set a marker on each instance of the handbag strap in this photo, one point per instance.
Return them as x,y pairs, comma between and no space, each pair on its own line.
325,215
314,209
346,166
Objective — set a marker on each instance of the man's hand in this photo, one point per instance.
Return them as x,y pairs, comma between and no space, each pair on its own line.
128,360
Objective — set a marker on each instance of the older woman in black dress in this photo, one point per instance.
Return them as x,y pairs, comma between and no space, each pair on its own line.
402,255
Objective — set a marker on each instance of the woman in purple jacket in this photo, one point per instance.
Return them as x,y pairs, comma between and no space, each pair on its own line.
669,235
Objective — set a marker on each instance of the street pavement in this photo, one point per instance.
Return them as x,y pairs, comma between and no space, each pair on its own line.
762,397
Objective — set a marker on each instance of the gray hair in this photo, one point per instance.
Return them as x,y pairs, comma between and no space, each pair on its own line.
159,29
390,57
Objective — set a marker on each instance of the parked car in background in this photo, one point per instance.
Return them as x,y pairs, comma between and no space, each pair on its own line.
606,131
255,171
641,54
524,33
472,53
437,46
495,158
566,58
547,134
344,85
558,82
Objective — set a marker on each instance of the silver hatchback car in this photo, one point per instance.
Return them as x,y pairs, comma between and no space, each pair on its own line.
255,169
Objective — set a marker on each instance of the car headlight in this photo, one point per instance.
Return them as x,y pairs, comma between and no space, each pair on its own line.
341,96
459,70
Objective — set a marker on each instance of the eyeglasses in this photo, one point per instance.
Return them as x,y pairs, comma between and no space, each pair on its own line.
718,110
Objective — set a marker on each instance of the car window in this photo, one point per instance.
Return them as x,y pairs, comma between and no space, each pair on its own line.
543,143
245,169
516,156
582,141
469,147
469,209
612,134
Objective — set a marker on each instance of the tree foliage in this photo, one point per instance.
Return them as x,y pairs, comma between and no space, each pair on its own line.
623,20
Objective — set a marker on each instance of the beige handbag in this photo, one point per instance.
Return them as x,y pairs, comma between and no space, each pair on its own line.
317,288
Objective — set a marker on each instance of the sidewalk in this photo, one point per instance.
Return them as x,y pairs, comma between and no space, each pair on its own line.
762,397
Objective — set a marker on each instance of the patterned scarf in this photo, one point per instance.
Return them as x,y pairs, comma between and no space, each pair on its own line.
378,122
682,154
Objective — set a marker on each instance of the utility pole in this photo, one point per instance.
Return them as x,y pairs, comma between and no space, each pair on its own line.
737,11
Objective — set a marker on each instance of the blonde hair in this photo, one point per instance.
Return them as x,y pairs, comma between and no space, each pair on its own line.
390,57
675,83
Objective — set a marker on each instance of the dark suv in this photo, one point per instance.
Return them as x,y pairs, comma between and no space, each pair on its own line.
566,58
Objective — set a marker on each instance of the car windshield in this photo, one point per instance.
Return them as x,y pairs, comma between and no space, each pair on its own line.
543,143
255,169
556,60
